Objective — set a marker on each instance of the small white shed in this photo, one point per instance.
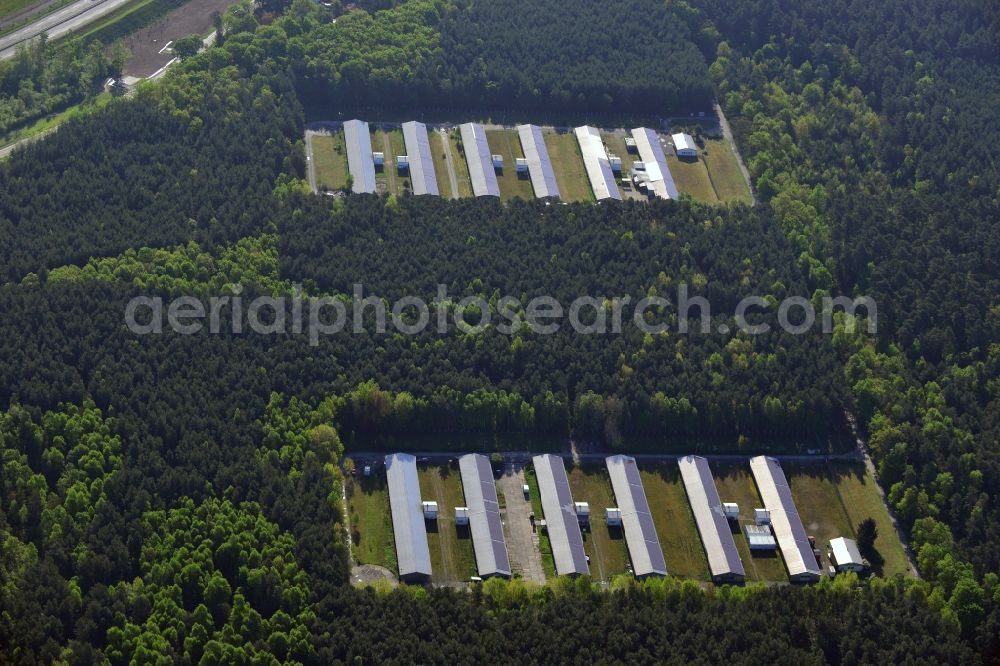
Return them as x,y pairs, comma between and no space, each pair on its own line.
684,145
845,555
430,510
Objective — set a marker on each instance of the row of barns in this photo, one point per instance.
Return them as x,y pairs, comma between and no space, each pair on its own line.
603,169
777,524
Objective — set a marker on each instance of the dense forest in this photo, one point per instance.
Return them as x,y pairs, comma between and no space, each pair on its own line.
177,498
42,78
508,55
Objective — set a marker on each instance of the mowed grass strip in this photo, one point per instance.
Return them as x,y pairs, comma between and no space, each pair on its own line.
819,505
503,142
461,166
385,175
724,171
330,161
674,522
735,484
567,162
860,497
691,177
371,520
438,148
453,558
400,182
607,550
548,561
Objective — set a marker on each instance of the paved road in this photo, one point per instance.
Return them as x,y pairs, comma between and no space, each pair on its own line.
452,178
522,541
522,457
58,23
26,13
7,150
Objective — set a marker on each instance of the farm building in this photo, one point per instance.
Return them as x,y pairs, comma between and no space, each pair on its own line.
684,145
420,162
477,154
845,556
658,178
430,510
595,159
412,553
613,516
360,161
640,534
484,516
788,530
710,516
543,178
560,518
582,510
759,537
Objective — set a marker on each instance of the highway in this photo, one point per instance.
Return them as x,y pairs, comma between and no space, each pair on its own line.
58,23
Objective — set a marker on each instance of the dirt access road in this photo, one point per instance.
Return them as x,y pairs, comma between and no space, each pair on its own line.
522,542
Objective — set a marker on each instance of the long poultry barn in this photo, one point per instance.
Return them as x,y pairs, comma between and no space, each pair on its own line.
637,521
360,161
595,159
477,154
485,523
543,178
658,177
423,180
720,547
560,517
788,529
412,553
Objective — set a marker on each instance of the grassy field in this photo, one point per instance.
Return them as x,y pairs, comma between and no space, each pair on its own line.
452,556
506,142
399,182
461,166
438,149
548,562
823,494
735,484
674,522
724,171
607,549
371,521
861,500
691,177
330,161
567,162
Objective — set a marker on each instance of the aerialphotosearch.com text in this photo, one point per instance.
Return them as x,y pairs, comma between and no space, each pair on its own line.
317,317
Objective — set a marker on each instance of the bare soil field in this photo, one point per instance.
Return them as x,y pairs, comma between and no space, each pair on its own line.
146,44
